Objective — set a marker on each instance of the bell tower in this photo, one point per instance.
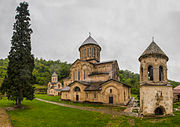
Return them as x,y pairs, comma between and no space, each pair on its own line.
156,97
54,78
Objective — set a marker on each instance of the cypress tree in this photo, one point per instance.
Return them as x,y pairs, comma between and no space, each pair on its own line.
18,83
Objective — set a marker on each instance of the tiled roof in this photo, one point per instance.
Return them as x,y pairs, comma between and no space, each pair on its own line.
153,49
104,62
54,74
98,73
176,89
93,86
89,40
67,88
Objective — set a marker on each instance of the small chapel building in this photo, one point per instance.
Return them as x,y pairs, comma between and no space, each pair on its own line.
54,86
156,95
91,80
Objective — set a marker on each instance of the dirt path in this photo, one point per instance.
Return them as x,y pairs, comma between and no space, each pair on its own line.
4,119
102,110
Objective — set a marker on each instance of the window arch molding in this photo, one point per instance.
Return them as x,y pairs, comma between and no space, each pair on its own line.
77,89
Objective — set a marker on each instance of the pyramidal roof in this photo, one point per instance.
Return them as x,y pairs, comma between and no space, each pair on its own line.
54,74
153,49
89,40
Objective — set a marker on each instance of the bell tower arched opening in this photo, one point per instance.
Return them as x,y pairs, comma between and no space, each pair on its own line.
159,111
161,78
150,72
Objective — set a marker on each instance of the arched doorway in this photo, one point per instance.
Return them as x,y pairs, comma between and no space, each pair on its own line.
111,100
159,111
77,89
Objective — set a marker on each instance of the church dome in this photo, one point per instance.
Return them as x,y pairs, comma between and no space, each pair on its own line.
90,41
153,49
90,50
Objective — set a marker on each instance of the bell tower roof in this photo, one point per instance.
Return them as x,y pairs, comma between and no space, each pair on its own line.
88,41
54,74
153,49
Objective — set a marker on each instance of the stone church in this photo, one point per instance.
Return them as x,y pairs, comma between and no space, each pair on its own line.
91,80
156,95
54,86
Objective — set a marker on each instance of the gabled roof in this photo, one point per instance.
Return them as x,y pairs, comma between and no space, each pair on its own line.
105,62
153,49
54,74
176,89
95,86
88,41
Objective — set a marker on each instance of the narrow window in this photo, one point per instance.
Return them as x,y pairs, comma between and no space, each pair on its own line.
73,75
84,74
78,75
141,74
124,96
86,95
94,95
160,73
92,51
84,53
110,90
150,73
87,52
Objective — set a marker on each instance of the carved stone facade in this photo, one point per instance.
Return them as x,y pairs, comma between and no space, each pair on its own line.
94,81
156,95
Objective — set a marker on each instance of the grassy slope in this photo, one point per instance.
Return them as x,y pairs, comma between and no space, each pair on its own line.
40,114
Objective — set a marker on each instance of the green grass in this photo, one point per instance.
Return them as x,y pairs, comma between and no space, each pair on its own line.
134,95
41,114
39,86
57,99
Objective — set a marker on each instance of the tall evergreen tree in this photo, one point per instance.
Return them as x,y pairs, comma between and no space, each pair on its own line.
18,82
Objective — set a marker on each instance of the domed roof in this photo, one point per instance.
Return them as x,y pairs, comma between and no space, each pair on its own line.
88,41
153,49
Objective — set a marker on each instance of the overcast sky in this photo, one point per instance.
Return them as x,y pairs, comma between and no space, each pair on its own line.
123,28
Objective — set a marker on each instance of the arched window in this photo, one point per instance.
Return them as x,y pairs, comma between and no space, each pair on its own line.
141,74
160,73
77,89
92,52
78,75
84,53
87,52
84,74
110,90
73,75
150,73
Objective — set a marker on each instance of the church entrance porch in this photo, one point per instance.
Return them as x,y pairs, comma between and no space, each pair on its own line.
159,111
77,97
110,100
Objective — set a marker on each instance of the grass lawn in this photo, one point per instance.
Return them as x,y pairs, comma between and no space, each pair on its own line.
56,99
41,114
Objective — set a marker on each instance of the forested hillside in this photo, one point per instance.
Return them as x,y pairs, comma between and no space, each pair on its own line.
44,69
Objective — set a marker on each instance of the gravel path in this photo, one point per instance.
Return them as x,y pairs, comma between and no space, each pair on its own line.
4,119
105,110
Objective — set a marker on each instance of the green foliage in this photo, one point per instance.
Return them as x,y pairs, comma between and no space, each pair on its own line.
173,83
131,79
18,81
44,69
